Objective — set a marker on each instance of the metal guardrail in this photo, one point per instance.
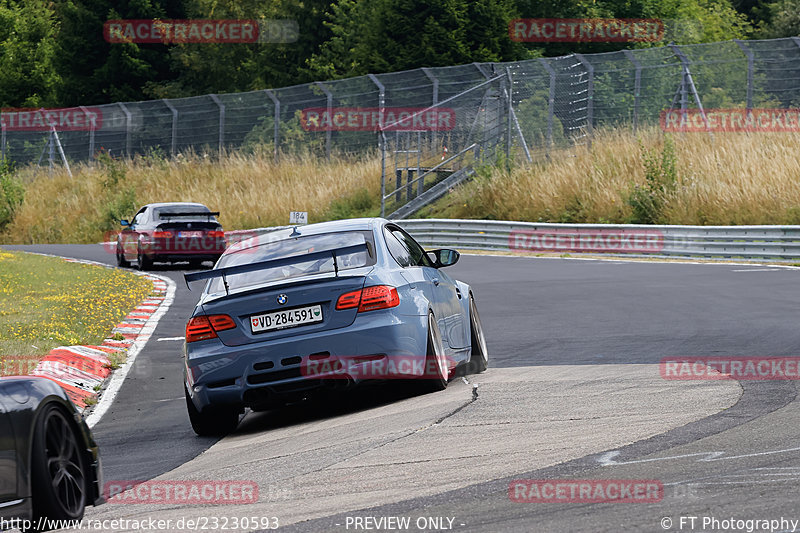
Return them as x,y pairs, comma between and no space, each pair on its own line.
745,243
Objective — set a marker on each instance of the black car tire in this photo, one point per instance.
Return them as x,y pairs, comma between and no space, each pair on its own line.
479,357
436,369
58,468
145,263
212,422
121,262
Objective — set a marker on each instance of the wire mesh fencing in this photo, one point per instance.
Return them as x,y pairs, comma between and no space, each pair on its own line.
526,108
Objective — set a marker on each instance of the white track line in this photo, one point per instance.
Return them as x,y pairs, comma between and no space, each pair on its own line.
119,375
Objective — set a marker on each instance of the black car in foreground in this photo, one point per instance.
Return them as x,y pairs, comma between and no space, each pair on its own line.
170,232
49,462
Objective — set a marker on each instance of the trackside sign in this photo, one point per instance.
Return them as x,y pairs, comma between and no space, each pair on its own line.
377,119
589,240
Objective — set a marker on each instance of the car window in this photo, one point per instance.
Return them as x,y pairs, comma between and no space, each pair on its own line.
174,213
397,249
295,247
416,254
139,218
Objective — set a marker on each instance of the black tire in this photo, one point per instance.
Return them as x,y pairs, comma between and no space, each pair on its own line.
121,261
212,422
58,468
145,263
479,356
436,367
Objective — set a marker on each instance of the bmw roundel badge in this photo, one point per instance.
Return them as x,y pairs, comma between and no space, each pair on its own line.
282,299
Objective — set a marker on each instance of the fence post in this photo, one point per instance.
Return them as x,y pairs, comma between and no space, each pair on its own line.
688,83
750,68
434,100
509,111
551,101
221,122
514,116
276,135
3,142
90,119
174,137
127,128
328,130
381,110
637,87
589,98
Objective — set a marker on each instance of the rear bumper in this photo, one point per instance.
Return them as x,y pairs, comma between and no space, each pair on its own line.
277,370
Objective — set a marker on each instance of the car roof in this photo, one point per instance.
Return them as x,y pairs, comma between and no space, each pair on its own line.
176,204
350,224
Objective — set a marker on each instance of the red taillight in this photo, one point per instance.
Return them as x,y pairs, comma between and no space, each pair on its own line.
162,234
369,299
204,327
349,300
216,234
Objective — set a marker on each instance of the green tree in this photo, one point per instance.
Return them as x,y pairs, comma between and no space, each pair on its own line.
96,71
28,55
391,35
202,68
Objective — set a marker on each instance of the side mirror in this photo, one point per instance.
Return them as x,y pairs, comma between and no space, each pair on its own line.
124,222
444,257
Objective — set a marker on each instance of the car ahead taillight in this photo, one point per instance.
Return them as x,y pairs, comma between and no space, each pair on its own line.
162,234
216,234
369,299
204,327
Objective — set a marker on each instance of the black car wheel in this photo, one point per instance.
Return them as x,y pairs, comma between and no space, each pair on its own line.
121,262
212,422
436,368
58,468
479,357
145,263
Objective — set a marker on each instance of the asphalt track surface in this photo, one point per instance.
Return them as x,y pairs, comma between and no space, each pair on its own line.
742,462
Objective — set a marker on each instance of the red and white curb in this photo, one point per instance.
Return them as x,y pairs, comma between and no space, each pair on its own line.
84,371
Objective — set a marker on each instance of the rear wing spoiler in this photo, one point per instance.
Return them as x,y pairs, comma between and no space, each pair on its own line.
273,263
189,214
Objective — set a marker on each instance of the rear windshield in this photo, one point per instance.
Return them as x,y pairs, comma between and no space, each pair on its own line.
297,246
183,213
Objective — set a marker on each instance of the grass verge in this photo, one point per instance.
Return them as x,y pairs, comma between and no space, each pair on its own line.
46,302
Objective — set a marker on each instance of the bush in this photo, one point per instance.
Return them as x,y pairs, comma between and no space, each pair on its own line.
661,178
12,193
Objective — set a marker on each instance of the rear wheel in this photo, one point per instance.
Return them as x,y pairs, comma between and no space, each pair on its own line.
121,262
436,368
479,357
58,468
212,421
145,263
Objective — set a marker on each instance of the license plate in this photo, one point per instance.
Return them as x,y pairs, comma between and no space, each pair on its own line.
190,234
287,318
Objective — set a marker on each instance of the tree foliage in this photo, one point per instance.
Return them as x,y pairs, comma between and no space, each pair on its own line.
53,53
